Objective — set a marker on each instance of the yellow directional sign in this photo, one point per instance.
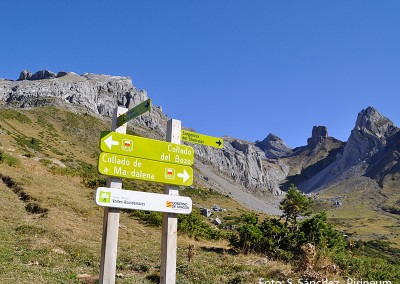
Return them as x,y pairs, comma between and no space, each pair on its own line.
135,146
136,168
193,137
135,112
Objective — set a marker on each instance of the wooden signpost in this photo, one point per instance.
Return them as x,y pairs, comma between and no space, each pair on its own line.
109,241
129,156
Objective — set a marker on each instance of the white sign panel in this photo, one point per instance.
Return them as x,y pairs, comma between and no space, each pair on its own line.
138,200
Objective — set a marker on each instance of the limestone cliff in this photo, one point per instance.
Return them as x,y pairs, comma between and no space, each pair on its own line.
99,94
240,161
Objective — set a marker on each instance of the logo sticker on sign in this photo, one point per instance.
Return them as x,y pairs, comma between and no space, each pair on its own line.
169,173
105,197
127,145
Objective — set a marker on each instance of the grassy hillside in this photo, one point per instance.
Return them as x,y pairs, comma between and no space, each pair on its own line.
50,227
365,212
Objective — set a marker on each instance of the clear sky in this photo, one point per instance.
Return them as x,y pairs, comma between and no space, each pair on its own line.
223,67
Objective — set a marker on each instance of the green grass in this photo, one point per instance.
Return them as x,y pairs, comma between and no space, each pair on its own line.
11,114
9,160
28,142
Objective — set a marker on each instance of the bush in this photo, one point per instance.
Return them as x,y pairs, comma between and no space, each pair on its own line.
194,226
278,240
317,231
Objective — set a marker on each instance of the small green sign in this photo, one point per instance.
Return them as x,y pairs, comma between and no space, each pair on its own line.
105,196
135,146
135,112
142,169
193,137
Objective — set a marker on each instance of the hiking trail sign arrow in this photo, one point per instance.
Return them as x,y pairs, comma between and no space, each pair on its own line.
135,146
138,200
197,138
135,112
148,170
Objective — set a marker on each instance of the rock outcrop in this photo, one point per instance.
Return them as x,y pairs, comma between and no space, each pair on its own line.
307,161
370,135
39,75
319,135
99,94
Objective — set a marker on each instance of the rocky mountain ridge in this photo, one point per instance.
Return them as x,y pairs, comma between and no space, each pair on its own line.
261,167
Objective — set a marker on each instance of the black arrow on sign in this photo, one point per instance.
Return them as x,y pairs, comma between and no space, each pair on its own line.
147,105
219,142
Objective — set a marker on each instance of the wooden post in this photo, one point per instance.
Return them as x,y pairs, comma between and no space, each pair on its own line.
109,243
170,221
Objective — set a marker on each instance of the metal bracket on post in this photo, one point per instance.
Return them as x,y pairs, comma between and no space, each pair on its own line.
109,241
170,221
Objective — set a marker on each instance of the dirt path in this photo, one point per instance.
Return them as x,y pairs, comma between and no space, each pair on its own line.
269,205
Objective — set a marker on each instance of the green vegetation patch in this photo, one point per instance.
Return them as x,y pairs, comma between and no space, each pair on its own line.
9,159
28,142
14,115
192,224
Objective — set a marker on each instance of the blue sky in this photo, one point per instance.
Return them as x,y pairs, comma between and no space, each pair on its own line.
237,68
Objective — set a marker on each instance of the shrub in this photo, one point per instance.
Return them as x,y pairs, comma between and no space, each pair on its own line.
194,226
279,240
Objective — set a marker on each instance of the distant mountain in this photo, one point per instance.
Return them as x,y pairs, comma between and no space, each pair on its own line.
372,137
260,168
274,147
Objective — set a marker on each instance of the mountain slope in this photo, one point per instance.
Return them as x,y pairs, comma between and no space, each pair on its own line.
100,94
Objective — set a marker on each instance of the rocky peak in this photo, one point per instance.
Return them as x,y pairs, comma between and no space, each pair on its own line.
39,75
25,75
319,135
370,134
274,147
371,122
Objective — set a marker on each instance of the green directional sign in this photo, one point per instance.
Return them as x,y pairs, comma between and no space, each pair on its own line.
193,137
135,146
135,112
136,168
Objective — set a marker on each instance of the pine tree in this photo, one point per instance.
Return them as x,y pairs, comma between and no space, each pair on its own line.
294,205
